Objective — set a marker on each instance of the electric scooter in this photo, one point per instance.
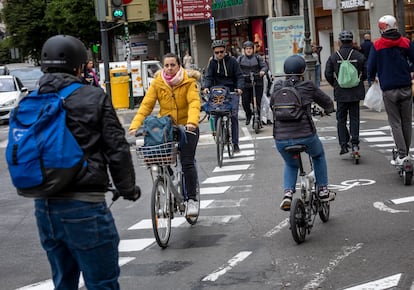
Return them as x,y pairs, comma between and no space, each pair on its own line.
256,119
405,170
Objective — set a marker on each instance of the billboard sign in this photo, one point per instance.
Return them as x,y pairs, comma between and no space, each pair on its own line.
285,36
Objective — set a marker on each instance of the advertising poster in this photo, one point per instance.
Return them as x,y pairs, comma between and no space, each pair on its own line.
257,32
285,36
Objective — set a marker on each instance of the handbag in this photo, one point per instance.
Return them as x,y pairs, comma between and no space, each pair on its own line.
373,97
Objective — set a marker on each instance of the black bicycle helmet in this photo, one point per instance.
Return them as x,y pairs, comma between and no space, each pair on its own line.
346,36
218,43
63,53
294,65
248,44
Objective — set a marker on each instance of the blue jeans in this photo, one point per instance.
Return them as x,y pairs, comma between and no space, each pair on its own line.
79,237
315,150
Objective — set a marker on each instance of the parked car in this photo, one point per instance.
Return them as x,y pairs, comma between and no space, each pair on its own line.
29,75
11,91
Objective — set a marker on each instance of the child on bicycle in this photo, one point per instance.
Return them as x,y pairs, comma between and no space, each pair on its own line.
301,131
177,93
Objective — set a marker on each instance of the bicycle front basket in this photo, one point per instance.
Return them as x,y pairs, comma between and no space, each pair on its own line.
163,154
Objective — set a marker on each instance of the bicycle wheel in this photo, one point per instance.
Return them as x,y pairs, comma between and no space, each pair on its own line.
256,122
230,149
161,212
298,220
219,141
324,209
407,177
193,220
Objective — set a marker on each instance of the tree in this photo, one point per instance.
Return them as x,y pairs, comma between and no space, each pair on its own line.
30,23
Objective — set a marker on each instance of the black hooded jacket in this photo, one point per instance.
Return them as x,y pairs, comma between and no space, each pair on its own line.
94,123
225,72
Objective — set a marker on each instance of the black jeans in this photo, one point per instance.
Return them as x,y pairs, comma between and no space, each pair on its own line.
343,109
247,100
188,162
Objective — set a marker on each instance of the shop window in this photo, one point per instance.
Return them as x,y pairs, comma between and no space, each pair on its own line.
291,7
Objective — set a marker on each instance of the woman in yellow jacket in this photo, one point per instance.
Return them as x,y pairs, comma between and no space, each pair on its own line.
177,93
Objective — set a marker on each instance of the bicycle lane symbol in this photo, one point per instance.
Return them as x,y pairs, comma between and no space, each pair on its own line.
348,184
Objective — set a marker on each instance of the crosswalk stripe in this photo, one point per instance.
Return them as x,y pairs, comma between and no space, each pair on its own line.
379,139
239,159
371,133
177,222
134,245
220,179
232,168
214,190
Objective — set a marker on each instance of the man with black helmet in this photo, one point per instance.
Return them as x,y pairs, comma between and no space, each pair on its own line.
251,62
76,228
347,99
300,131
389,60
224,70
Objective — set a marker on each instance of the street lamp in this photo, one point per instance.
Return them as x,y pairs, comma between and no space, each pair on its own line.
310,73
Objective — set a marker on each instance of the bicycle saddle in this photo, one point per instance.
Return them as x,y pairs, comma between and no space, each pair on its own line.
296,148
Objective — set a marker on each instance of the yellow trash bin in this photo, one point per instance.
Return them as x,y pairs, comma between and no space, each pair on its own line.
119,88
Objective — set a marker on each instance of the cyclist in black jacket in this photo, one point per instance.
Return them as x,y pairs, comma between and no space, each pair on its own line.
302,131
224,70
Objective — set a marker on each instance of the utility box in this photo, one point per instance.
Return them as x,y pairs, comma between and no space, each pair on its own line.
119,88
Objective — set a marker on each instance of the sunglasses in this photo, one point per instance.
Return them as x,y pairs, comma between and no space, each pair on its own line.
218,52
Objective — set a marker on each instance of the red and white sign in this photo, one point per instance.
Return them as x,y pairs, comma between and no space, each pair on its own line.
192,9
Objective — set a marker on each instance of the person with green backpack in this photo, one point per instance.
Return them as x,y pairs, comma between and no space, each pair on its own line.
345,71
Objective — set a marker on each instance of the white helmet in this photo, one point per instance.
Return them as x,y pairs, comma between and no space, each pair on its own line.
386,23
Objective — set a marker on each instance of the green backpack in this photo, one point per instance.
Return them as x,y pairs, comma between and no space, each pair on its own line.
348,74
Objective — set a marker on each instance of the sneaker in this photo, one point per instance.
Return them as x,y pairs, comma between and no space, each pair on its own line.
236,148
248,120
264,123
269,122
344,150
192,208
287,200
325,194
355,148
399,160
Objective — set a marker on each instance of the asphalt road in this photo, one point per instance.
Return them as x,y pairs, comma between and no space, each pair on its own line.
242,239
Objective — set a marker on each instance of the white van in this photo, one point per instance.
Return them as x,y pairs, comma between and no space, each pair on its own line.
142,73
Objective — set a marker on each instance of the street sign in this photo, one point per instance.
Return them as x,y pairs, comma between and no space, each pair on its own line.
192,10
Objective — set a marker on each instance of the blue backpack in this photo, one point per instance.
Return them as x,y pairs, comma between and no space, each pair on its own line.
42,154
219,100
158,131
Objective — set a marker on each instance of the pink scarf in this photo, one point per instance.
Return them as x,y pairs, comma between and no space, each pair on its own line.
175,79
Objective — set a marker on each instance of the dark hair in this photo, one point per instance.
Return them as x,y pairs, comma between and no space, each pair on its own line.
170,54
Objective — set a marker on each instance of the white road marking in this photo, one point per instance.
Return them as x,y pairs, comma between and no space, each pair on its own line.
48,284
403,200
244,153
371,133
382,207
220,179
228,203
246,146
134,245
214,190
381,284
277,228
239,159
321,275
232,168
383,145
379,139
227,267
3,144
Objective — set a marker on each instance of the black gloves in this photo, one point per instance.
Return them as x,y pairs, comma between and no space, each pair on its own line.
133,196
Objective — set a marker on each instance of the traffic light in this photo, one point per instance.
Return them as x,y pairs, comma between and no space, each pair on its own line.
117,10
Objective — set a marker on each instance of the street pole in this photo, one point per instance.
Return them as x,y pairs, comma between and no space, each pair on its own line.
310,73
171,26
128,59
105,56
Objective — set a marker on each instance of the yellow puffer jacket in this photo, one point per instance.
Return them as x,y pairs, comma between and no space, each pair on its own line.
182,102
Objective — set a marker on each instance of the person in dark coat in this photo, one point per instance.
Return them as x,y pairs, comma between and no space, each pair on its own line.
224,70
347,99
75,225
389,60
302,131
